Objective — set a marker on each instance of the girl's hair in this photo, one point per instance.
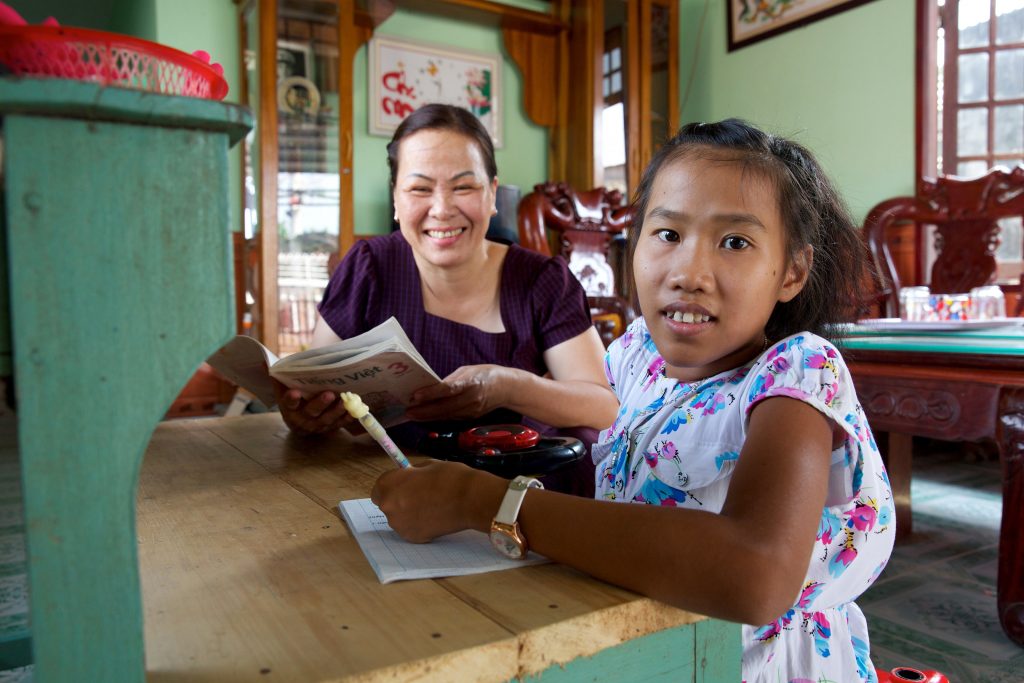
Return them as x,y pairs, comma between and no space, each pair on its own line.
812,212
443,117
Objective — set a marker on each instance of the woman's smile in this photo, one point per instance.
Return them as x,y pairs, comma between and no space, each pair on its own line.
445,233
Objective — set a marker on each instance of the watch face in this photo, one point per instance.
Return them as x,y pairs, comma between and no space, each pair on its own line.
506,545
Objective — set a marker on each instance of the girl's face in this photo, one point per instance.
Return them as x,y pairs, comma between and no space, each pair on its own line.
710,265
443,198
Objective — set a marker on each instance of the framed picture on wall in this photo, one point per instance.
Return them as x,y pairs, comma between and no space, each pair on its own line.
405,75
752,20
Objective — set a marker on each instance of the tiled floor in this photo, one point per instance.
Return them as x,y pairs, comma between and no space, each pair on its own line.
934,607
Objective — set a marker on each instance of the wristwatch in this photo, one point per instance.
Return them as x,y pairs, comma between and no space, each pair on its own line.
506,536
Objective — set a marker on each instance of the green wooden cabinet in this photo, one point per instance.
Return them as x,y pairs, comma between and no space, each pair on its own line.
118,284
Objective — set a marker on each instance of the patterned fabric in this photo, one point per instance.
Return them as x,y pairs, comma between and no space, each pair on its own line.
542,305
677,444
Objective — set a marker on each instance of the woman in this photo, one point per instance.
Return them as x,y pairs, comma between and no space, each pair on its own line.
508,329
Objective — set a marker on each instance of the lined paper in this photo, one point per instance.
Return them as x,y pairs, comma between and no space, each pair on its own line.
392,559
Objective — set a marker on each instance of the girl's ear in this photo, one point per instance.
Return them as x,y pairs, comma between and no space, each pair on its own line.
797,272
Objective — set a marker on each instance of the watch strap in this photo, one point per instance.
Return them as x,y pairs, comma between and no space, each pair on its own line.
513,500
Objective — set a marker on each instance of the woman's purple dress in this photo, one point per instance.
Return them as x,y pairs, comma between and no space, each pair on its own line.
542,305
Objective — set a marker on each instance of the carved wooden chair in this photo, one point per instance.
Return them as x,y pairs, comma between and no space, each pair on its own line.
965,214
588,230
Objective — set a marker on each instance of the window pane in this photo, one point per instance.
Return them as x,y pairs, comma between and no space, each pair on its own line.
1009,134
1012,239
1009,21
604,63
972,131
617,81
1010,73
971,169
613,146
973,16
605,86
973,78
616,58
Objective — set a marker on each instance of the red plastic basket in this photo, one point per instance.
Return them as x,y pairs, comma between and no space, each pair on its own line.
106,58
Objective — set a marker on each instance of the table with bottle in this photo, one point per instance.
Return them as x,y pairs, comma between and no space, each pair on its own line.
951,368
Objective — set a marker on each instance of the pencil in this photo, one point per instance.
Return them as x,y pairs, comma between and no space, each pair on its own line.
357,409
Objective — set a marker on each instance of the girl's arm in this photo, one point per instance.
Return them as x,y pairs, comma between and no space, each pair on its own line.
576,395
746,564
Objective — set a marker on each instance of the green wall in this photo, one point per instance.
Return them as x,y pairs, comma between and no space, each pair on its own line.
843,86
92,14
210,25
523,159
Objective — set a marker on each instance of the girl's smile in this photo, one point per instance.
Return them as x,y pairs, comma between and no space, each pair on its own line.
711,264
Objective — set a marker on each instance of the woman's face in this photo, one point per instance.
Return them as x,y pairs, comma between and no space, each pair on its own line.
443,197
710,265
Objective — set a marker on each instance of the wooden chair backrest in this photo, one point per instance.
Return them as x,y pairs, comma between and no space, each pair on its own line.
965,213
582,226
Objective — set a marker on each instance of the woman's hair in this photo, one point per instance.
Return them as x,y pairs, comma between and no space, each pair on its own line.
812,212
443,117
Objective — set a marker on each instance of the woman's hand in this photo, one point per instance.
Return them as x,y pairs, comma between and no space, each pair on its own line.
320,413
470,391
437,498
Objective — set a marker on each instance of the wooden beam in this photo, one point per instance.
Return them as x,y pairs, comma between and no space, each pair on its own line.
478,11
268,151
582,131
537,56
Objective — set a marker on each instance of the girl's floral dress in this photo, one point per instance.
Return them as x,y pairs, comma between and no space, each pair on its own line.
677,444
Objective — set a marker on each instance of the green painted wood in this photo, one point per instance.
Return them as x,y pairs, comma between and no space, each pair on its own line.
998,342
707,651
718,651
80,100
120,285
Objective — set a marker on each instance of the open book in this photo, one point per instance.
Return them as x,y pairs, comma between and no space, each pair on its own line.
381,365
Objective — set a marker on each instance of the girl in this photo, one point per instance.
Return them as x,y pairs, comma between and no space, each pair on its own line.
767,502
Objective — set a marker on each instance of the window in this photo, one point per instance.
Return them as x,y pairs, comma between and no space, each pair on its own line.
639,100
978,71
613,113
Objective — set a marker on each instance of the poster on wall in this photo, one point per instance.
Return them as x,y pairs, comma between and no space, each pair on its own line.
405,75
754,20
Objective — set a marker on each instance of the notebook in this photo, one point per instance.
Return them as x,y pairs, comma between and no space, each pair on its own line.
467,552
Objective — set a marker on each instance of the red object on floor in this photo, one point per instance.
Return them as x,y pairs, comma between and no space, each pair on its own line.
905,673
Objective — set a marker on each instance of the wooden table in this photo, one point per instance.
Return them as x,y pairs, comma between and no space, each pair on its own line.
248,573
965,386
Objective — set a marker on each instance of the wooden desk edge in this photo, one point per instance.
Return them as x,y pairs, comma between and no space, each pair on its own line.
530,654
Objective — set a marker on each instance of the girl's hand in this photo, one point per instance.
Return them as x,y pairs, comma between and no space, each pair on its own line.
437,498
315,414
470,391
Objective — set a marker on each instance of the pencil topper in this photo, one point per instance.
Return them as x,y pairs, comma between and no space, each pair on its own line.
354,404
